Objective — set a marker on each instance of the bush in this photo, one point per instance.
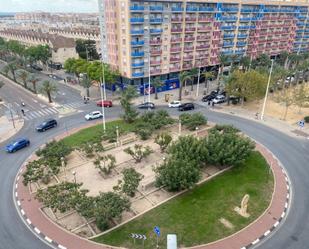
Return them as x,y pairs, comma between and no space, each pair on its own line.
138,152
192,121
130,182
144,130
306,119
225,128
163,140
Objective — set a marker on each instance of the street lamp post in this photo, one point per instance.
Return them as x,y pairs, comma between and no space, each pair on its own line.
267,89
149,76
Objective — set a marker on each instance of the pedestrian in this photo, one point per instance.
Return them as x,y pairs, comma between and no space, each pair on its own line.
208,102
212,104
23,112
257,115
85,100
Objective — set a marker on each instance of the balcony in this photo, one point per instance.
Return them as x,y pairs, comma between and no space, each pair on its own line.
155,71
190,29
228,36
175,69
137,54
230,10
241,44
242,36
239,52
246,27
187,66
204,19
229,18
188,48
245,19
190,19
156,20
176,40
188,58
137,32
191,9
137,8
202,55
155,52
136,20
137,43
189,39
206,9
177,9
156,31
176,19
155,42
174,59
203,29
156,8
155,62
228,44
176,30
202,38
202,46
138,64
227,52
231,27
138,74
175,50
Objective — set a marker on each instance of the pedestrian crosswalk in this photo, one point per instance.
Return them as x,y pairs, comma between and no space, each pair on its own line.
74,105
30,114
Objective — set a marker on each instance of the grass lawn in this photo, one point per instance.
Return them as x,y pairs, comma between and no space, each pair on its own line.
87,134
194,216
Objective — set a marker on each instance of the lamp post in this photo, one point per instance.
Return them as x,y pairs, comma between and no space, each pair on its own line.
149,76
267,89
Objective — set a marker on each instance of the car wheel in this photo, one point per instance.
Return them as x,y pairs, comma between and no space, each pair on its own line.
28,144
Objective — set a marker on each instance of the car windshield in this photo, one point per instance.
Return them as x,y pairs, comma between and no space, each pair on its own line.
16,142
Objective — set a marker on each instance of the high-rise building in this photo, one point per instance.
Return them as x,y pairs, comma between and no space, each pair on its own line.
178,35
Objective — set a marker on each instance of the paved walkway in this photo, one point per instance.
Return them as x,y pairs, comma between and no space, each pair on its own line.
29,208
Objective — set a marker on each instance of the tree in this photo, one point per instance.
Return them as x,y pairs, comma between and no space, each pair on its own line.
69,65
192,121
34,80
156,84
24,76
86,49
34,171
245,62
12,67
6,70
108,161
130,114
227,148
193,73
208,75
48,88
163,140
301,96
287,98
130,182
184,76
177,174
138,152
224,60
262,60
86,83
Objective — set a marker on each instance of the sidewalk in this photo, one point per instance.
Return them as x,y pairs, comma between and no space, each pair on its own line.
30,211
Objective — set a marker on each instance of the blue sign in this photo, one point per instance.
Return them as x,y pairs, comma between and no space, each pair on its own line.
157,231
301,123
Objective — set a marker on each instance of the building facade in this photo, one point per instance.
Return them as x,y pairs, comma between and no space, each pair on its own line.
166,37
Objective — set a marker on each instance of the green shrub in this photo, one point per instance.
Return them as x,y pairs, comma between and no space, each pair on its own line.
225,128
192,121
306,119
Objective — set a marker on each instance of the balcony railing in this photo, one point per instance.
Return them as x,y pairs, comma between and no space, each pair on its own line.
138,64
189,38
155,62
137,43
176,40
174,69
156,20
187,49
191,9
190,19
175,59
228,36
136,20
137,32
137,54
155,52
155,71
173,50
206,28
189,57
190,29
229,18
246,27
241,36
176,19
227,52
231,9
155,42
138,74
154,31
176,30
202,55
206,9
188,66
202,38
199,47
204,19
177,9
241,44
156,8
232,27
137,8
228,44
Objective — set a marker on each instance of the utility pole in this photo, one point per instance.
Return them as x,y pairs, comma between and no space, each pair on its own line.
267,89
12,117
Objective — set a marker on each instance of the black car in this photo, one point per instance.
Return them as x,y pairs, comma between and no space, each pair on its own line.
209,97
186,107
36,67
146,105
47,124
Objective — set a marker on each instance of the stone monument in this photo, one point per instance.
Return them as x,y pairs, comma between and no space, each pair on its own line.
242,210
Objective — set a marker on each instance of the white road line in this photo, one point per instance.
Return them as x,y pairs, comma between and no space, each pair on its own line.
288,187
288,196
54,110
49,111
276,224
18,203
69,105
16,194
31,115
22,212
16,185
48,239
45,112
61,247
28,221
266,233
282,215
26,118
41,113
286,205
256,241
37,230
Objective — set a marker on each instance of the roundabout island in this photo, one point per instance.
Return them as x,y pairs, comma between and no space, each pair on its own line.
187,179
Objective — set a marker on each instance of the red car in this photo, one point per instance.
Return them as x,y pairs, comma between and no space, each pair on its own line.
105,103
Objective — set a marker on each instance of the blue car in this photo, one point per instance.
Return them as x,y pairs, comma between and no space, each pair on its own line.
17,145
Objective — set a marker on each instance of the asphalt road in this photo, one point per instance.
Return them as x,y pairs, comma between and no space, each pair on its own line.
293,153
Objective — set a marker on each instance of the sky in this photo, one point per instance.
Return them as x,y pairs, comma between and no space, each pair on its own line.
48,5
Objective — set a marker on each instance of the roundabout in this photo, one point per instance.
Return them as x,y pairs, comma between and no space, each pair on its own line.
259,133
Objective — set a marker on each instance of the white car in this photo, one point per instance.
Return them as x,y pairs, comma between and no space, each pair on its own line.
219,99
174,104
93,115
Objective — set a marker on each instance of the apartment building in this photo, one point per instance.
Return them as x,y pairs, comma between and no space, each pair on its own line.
165,37
62,48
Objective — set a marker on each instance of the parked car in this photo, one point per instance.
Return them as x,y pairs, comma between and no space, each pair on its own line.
17,145
209,97
235,100
105,103
219,99
36,67
47,124
55,77
174,104
93,115
186,107
146,105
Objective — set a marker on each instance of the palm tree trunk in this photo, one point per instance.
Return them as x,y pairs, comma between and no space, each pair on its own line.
14,76
49,97
286,112
180,91
88,93
156,93
34,87
192,85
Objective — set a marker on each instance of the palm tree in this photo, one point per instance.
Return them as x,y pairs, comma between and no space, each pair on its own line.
6,70
183,77
33,80
224,60
157,83
86,83
245,63
12,68
193,73
48,88
208,75
24,76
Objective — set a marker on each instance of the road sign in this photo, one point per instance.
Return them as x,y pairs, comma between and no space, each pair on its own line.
301,123
157,230
138,236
